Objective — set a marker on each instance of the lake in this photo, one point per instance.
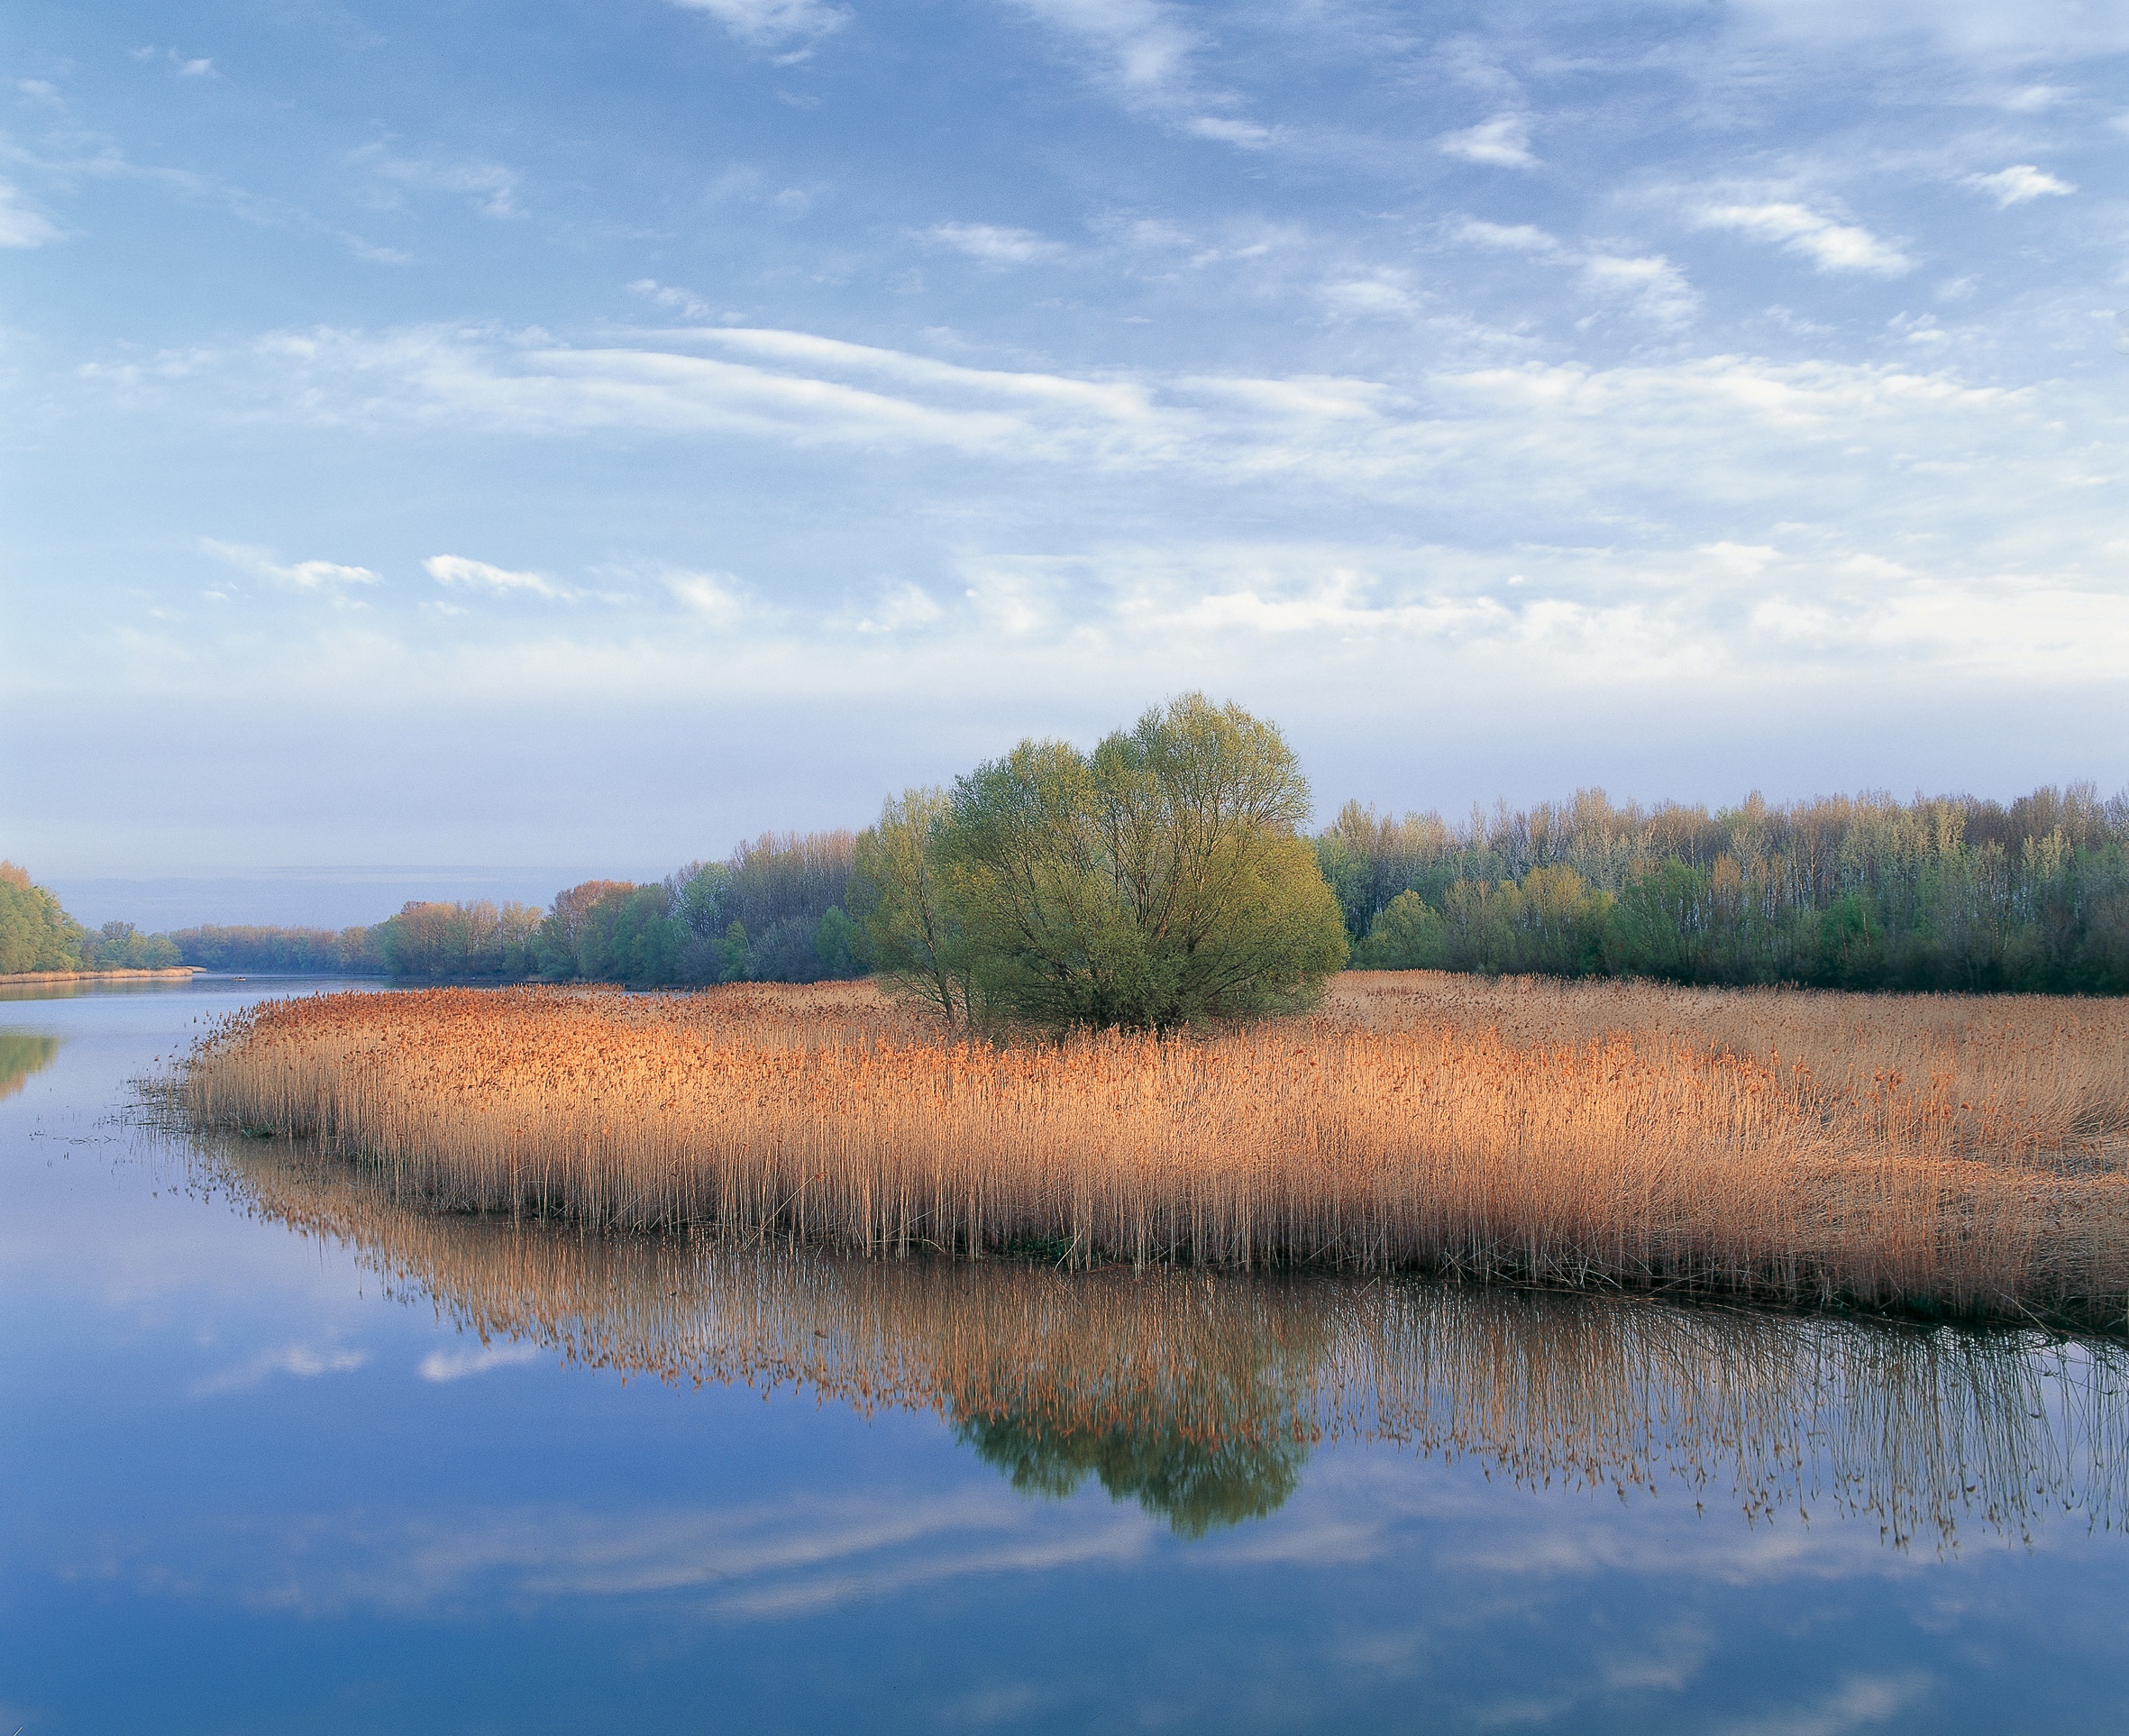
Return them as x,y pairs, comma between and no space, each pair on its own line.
283,1455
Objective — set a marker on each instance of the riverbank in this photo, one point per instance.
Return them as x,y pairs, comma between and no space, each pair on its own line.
27,978
1950,1154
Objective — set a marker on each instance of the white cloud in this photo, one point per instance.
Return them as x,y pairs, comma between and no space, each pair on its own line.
1228,132
1987,30
1144,44
664,294
1380,294
1830,246
993,245
440,1366
1507,238
299,575
20,226
1503,142
199,68
477,575
492,187
1610,491
900,607
39,91
773,24
777,1559
1142,50
2035,99
299,1360
1651,284
1859,1702
2017,184
717,597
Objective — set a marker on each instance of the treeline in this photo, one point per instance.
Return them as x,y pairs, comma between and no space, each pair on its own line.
775,910
1865,892
37,935
1869,892
271,951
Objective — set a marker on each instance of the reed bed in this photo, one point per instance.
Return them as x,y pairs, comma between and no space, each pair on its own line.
1956,1154
1202,1394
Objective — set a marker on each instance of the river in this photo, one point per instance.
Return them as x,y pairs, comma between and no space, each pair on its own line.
282,1454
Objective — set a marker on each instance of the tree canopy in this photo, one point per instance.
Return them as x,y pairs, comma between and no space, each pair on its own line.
1159,881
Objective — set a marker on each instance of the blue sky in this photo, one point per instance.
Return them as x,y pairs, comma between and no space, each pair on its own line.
588,433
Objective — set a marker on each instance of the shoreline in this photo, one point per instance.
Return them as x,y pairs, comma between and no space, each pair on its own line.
169,973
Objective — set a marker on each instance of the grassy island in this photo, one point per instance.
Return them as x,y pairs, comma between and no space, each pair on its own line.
1963,1154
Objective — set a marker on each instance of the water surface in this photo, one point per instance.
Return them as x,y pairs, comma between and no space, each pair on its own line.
282,1454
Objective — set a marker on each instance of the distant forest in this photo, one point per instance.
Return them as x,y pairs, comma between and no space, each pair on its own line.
774,910
1864,892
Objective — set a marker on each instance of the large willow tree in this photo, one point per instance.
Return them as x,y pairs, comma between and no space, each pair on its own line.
1157,881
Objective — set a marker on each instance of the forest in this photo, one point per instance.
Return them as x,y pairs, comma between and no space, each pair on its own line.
1862,893
1859,892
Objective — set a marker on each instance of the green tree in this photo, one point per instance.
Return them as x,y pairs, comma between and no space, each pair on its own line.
1157,881
1406,936
35,934
908,926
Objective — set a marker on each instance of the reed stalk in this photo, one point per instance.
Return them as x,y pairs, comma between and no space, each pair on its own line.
1958,1154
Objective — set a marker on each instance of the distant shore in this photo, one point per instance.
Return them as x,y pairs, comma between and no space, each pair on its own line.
176,972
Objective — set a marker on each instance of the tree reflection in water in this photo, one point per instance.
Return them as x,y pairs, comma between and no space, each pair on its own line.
21,1055
1201,1395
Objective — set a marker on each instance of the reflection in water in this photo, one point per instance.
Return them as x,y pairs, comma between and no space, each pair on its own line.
21,1055
1201,1395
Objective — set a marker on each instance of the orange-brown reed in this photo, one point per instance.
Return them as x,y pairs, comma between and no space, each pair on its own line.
1925,1431
1937,1152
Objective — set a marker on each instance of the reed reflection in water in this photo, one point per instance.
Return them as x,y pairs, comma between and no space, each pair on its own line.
1201,1395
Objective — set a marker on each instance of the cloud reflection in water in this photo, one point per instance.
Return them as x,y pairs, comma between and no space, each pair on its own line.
1200,1396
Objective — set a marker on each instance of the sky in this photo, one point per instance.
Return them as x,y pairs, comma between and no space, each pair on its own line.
587,434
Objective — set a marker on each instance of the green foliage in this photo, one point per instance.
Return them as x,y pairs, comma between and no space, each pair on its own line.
908,925
1157,881
1869,893
23,1053
460,942
1407,934
121,946
735,954
302,952
1195,1484
835,943
35,934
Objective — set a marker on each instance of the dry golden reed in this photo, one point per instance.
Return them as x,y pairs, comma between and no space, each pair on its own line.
1954,1153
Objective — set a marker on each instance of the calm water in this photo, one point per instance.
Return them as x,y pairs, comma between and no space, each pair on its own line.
278,1456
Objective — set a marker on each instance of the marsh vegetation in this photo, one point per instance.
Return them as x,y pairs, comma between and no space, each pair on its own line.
1202,1396
1959,1154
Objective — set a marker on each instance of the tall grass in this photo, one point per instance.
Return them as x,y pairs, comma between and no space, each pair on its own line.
1955,1154
1202,1394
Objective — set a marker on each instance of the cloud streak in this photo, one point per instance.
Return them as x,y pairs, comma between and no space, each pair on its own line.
1501,142
457,571
1829,245
789,26
296,575
2018,184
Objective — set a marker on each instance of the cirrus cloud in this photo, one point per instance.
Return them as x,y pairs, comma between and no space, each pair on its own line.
2018,183
457,569
1830,245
